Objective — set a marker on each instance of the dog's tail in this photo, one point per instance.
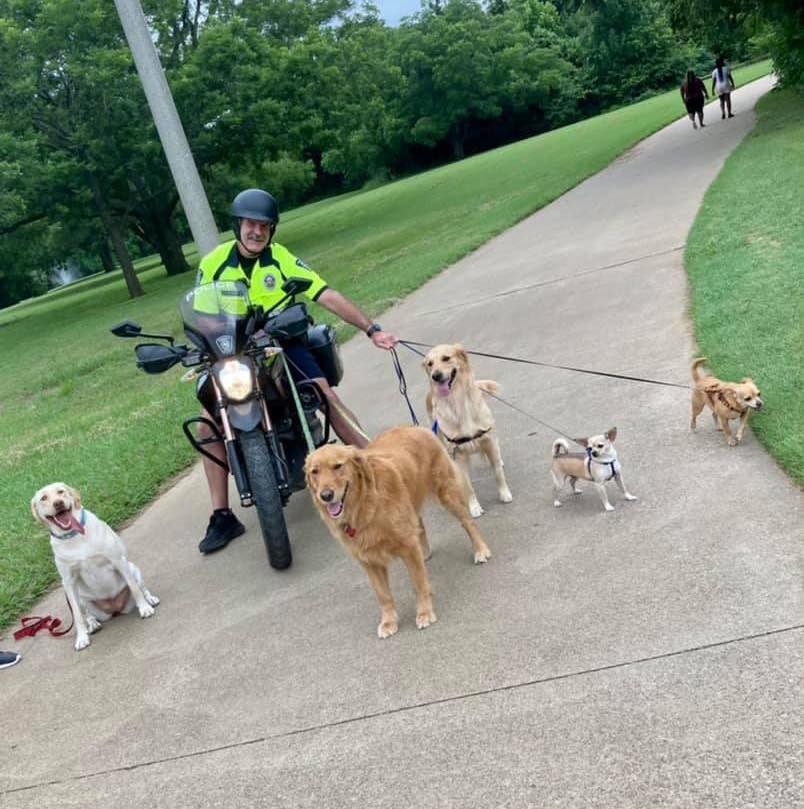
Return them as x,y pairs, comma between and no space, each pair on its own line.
696,364
560,447
487,385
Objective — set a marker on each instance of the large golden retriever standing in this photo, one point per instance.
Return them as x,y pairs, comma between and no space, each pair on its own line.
370,500
461,416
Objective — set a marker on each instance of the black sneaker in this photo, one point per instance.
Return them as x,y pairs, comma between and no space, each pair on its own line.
8,659
222,529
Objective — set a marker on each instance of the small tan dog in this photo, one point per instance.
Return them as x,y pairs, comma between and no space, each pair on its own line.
370,500
599,464
727,401
461,417
99,581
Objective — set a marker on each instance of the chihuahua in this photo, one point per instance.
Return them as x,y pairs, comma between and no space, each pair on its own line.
599,464
727,401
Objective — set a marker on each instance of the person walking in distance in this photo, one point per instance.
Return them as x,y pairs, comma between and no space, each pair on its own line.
722,85
693,92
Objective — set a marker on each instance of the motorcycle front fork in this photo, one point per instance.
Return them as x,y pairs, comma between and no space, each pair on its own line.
233,458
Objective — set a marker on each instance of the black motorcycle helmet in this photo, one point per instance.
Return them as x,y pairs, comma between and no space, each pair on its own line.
256,204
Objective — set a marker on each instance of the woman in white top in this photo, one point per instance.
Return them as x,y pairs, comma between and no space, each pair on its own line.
723,84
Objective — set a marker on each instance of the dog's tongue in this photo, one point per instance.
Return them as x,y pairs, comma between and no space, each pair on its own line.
335,509
67,522
443,388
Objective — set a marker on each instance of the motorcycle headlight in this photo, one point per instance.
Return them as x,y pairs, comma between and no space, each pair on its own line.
236,379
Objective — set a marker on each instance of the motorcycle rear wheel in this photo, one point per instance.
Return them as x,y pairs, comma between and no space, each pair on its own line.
260,469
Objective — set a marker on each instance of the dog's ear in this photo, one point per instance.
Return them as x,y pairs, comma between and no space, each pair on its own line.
460,353
612,434
584,442
308,464
75,494
34,512
364,475
746,380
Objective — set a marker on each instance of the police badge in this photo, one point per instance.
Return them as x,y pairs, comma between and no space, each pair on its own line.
269,282
225,343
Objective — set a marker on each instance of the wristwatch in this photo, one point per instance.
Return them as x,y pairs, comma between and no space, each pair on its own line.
374,327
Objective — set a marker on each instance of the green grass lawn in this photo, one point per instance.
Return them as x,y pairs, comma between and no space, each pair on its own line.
74,407
745,259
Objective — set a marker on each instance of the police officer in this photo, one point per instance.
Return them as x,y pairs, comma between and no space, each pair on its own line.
254,258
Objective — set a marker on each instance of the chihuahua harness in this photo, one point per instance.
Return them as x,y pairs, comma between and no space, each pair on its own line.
721,397
610,464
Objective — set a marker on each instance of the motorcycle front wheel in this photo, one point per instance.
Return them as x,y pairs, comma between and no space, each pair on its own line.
260,469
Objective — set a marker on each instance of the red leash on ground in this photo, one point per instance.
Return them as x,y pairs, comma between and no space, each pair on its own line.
31,624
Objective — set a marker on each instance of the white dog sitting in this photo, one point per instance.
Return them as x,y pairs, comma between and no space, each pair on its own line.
98,578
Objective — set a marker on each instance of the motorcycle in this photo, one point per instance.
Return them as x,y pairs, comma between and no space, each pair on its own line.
267,421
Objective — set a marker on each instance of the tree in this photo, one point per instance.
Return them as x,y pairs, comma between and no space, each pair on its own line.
628,48
727,26
367,124
463,67
76,96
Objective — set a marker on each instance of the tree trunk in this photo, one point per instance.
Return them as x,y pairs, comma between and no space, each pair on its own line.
106,257
457,136
154,224
118,244
159,232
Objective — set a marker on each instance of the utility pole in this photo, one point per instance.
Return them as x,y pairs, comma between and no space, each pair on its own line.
171,133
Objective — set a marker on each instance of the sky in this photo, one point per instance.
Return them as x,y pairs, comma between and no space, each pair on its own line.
392,11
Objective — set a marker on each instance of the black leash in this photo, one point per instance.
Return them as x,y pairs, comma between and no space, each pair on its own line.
409,346
403,384
410,343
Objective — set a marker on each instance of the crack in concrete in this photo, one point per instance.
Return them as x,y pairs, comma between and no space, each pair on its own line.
405,708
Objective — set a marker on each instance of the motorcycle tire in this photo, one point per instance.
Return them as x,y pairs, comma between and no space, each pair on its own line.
260,470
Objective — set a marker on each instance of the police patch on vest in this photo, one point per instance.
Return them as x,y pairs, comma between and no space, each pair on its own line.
300,263
269,281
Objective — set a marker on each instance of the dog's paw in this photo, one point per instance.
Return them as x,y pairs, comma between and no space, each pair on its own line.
608,507
475,509
629,496
386,629
151,599
556,503
81,642
424,619
481,556
505,495
146,611
732,441
93,624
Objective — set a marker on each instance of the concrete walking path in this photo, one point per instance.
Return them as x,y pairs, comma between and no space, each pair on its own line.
650,657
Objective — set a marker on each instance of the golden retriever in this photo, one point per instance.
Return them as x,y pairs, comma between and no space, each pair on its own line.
370,500
727,400
99,580
461,417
